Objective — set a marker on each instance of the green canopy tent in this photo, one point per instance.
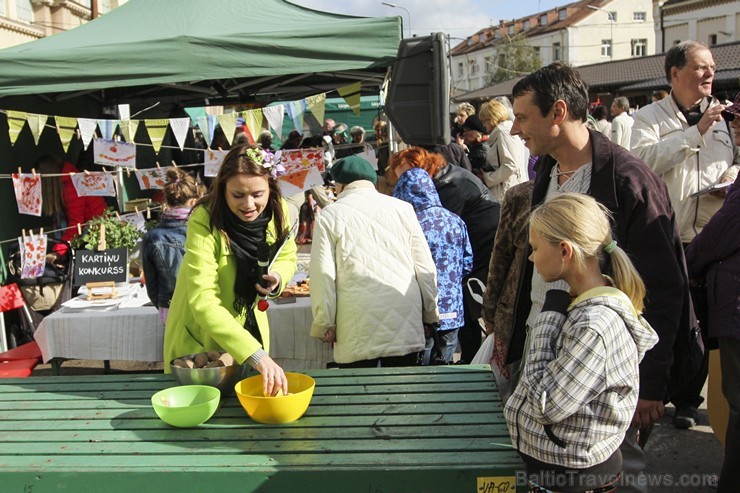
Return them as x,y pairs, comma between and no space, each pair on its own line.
188,52
165,55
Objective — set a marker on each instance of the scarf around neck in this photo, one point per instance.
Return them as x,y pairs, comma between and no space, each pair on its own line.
243,240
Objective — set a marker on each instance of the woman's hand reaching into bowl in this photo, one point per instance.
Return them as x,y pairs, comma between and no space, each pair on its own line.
273,377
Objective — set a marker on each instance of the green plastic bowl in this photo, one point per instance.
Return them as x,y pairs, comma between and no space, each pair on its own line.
187,405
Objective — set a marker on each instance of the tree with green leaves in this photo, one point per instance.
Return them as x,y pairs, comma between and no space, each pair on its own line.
514,57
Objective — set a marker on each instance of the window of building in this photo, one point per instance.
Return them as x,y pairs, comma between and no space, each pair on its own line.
537,51
496,35
543,19
639,47
606,47
24,10
474,67
461,69
84,3
526,24
555,51
712,39
639,16
487,65
2,7
562,14
613,16
511,29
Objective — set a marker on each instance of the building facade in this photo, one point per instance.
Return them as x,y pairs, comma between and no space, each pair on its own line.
579,33
22,21
708,21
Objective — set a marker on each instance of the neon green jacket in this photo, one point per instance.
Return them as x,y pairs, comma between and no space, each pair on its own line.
202,315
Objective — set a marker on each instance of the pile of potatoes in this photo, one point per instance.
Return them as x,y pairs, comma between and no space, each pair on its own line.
210,359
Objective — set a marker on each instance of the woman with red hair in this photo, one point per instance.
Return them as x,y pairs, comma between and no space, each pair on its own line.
461,192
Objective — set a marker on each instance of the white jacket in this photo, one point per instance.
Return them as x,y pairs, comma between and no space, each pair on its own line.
506,162
372,275
622,130
686,160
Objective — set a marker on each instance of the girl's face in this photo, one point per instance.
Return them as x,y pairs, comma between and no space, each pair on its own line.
546,256
247,196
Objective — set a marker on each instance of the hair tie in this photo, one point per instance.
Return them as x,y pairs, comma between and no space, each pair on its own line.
609,248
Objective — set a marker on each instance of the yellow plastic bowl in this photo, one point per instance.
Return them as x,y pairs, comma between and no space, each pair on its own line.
186,406
276,410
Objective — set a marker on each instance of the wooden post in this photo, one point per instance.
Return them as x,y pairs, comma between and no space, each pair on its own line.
101,243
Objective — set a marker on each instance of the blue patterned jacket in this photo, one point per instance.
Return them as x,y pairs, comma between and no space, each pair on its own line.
448,241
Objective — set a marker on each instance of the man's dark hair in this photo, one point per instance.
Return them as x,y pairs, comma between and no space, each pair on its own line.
676,56
553,82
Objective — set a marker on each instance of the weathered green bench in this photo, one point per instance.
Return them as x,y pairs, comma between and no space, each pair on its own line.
424,429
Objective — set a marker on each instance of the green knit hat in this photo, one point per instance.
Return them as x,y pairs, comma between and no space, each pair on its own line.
353,168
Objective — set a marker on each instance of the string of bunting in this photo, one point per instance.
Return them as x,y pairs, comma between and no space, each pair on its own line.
85,128
149,209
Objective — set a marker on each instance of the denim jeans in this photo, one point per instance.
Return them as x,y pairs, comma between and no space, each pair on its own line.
448,345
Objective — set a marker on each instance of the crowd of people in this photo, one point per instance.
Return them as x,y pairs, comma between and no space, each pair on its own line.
596,258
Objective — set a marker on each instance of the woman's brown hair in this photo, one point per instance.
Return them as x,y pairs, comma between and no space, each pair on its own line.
238,162
180,188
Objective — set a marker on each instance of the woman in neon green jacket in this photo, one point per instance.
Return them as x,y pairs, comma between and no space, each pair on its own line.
214,306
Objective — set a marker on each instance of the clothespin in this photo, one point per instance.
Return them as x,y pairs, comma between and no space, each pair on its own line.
87,172
128,172
23,235
118,216
174,163
33,170
220,150
41,232
20,171
136,210
77,133
157,163
79,229
148,213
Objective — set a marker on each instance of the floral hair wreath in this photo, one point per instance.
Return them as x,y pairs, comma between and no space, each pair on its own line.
266,159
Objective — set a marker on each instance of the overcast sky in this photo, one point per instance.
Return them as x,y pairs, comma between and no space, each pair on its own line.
458,18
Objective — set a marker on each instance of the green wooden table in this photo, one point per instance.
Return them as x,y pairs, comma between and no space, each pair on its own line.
424,429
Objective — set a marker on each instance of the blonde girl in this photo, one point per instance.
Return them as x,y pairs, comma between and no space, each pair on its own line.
579,386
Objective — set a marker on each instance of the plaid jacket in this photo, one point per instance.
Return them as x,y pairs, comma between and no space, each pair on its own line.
579,387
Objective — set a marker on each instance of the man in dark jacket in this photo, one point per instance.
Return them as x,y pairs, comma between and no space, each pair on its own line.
550,108
714,256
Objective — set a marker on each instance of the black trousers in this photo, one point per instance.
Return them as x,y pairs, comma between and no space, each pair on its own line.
411,359
687,393
470,335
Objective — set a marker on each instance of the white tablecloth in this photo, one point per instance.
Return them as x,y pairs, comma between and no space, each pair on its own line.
133,334
136,334
291,346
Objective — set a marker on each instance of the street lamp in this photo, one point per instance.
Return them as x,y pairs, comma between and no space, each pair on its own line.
611,29
393,5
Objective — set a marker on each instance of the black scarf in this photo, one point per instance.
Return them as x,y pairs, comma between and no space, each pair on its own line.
243,240
694,114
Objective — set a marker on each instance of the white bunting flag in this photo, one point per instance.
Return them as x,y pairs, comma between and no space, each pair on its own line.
275,115
180,127
87,130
